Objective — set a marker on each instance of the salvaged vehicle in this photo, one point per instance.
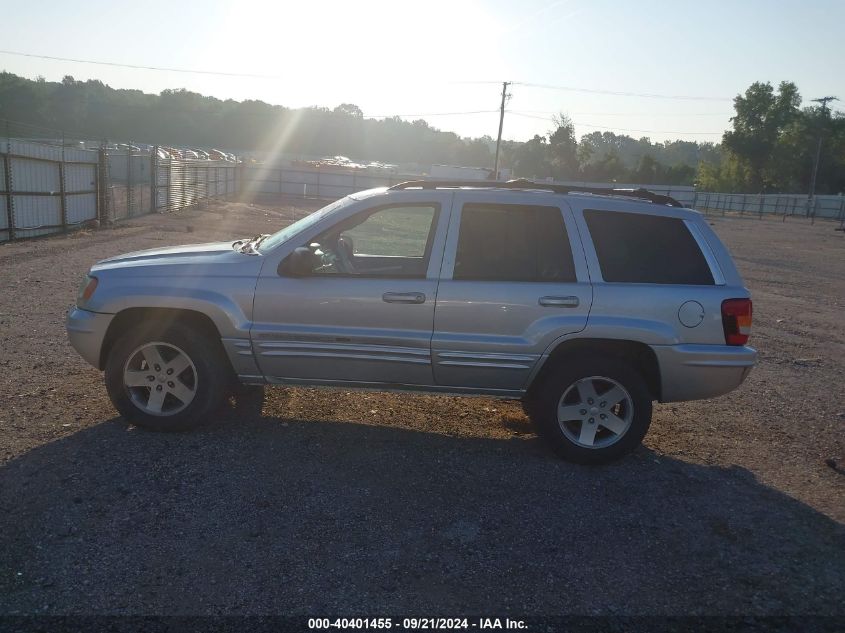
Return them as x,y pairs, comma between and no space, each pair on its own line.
587,304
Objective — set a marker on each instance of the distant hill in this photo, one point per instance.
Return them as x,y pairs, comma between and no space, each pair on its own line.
92,110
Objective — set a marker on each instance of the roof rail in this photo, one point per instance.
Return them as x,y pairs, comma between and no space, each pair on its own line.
523,183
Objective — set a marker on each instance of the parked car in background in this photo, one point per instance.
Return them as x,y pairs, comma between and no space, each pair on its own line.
586,304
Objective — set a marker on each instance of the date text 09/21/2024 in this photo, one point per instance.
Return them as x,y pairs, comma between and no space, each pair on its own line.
416,623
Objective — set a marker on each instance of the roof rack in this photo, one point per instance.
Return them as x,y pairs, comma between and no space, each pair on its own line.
523,183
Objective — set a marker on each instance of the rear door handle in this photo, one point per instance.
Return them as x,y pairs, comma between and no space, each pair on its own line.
560,302
403,297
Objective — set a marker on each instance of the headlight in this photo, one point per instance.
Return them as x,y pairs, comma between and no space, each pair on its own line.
86,290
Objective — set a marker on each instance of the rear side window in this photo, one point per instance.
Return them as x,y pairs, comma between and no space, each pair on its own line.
651,249
508,242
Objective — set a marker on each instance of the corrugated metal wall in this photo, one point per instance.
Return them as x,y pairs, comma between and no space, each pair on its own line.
317,183
182,182
323,183
4,199
45,188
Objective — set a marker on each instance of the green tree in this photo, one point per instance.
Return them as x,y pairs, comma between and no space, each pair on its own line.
529,159
92,110
349,109
727,174
563,149
761,118
648,171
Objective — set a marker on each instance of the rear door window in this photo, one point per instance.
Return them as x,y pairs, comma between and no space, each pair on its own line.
641,248
509,242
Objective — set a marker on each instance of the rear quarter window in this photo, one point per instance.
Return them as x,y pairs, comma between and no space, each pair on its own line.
652,249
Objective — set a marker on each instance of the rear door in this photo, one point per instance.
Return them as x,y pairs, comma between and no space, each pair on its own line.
513,280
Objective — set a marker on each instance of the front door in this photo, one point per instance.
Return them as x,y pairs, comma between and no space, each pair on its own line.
514,280
364,314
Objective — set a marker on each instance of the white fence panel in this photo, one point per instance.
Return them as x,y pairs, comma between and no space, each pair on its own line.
33,150
35,176
80,177
81,208
35,215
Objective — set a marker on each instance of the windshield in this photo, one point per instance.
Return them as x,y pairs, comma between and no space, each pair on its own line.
297,227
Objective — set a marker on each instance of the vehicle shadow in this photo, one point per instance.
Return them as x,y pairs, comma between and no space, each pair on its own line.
259,515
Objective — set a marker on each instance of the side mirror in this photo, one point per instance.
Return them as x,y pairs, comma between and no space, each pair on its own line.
300,263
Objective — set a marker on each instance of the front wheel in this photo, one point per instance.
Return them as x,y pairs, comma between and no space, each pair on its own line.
592,410
170,379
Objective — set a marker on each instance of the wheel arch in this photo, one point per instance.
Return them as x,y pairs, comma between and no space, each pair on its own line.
153,319
640,355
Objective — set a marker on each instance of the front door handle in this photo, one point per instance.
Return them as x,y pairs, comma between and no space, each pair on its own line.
560,302
403,297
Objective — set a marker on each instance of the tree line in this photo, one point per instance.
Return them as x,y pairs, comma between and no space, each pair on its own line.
773,144
770,147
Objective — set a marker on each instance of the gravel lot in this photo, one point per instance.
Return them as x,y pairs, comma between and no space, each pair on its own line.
326,502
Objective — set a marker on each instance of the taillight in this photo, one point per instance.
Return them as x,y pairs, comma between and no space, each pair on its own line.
736,320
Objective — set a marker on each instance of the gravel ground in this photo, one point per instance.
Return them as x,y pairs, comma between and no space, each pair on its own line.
367,503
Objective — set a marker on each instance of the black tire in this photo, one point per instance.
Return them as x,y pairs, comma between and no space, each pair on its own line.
213,377
545,398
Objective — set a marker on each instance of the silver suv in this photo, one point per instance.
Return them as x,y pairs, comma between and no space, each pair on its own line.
587,304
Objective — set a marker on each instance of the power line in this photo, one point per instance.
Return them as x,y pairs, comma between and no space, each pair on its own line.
265,76
619,93
138,67
429,114
649,114
618,129
190,71
384,116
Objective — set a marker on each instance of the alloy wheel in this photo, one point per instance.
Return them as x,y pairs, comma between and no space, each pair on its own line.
160,379
595,412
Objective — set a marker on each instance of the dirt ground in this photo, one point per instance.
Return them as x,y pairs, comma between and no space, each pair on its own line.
368,503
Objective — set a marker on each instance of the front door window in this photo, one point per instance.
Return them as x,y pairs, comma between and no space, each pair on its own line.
387,242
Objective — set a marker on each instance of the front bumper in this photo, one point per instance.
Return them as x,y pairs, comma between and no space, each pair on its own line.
693,372
86,332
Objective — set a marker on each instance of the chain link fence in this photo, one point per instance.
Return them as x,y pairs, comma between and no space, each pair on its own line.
331,184
773,204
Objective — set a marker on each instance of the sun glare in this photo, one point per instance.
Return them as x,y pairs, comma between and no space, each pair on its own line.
332,52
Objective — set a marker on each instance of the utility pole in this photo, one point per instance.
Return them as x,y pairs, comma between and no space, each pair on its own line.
505,85
812,193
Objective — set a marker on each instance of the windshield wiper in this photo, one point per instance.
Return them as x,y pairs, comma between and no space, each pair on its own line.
248,245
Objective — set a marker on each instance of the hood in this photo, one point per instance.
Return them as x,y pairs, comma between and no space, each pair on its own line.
202,254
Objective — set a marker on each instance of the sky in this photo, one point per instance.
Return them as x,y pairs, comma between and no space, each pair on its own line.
430,59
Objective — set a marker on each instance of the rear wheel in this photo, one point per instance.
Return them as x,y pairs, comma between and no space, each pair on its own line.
592,410
167,379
